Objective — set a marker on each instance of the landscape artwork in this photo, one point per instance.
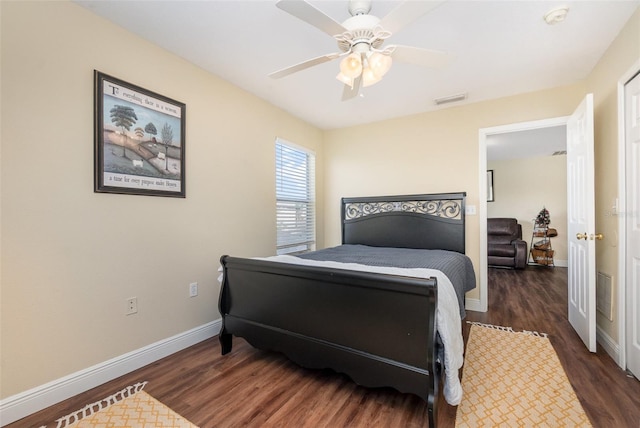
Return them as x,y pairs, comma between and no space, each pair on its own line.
139,140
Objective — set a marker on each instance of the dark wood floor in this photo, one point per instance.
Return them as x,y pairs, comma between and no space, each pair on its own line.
251,388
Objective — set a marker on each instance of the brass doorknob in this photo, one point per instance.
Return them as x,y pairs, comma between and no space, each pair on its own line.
598,236
580,236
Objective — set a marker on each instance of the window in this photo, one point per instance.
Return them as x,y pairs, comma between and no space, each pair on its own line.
295,199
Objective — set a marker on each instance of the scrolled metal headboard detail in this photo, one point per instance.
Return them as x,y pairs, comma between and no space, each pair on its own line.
428,221
450,209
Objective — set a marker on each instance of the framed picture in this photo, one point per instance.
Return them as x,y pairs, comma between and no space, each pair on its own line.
139,140
490,185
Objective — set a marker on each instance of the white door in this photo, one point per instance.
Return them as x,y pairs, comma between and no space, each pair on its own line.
581,223
632,225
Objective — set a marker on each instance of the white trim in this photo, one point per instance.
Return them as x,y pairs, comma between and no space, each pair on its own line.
295,146
483,303
482,218
473,305
608,344
622,204
25,403
556,263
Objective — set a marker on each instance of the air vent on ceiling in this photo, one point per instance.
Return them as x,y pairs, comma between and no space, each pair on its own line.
559,153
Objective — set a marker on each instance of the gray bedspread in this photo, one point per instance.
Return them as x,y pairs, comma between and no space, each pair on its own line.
456,266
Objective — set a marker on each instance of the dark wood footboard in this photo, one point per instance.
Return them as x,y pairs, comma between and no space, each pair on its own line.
377,329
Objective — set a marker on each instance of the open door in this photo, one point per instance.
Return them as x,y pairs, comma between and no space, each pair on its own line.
581,223
632,227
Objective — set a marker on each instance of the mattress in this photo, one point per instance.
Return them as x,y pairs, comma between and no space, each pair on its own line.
456,266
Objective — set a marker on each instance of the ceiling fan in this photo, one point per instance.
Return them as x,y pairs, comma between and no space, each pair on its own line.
360,41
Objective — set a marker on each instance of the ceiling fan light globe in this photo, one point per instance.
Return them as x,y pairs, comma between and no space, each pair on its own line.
380,63
351,66
369,77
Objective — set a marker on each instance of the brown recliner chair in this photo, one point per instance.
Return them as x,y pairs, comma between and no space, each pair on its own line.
505,247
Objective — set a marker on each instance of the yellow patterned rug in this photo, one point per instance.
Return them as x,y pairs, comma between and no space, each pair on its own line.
515,379
130,407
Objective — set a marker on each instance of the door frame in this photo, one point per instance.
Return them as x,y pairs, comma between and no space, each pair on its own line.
622,208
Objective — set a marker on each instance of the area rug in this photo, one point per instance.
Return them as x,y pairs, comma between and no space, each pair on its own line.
515,379
130,407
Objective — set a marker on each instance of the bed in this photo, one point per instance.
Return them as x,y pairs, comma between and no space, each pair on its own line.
350,309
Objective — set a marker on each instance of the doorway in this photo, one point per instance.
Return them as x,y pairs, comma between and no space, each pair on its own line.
486,135
529,170
580,205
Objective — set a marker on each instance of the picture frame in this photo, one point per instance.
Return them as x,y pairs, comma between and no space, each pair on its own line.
490,195
139,141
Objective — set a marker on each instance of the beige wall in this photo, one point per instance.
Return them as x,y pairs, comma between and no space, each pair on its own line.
523,187
70,257
621,55
427,153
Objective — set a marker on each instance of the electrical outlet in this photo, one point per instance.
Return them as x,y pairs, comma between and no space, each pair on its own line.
132,306
193,289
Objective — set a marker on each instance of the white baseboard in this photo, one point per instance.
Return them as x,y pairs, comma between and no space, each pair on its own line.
609,345
556,263
23,404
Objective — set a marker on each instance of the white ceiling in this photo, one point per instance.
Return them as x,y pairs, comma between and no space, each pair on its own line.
501,48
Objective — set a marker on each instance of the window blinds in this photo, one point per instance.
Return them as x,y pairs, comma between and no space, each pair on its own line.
295,195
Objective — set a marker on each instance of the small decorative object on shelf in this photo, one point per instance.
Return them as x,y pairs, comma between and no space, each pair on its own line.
541,252
543,218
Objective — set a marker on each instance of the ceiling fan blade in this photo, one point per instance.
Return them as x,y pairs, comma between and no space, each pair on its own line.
419,56
311,15
303,65
351,92
407,12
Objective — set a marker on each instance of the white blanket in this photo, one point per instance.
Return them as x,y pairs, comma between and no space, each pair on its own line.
448,322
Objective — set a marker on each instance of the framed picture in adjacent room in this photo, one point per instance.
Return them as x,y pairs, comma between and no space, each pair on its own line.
139,142
490,186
